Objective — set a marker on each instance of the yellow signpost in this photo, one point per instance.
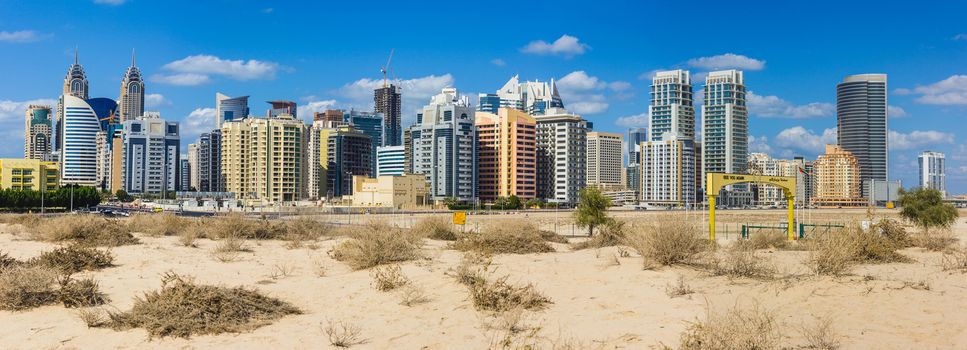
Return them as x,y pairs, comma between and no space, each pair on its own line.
459,218
714,182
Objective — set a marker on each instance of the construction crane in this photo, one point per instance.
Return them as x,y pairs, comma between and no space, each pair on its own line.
385,68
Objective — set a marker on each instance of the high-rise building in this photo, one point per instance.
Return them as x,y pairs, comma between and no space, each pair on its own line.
389,161
562,145
192,158
533,97
185,173
671,108
263,159
861,124
604,160
330,115
131,100
933,172
230,109
507,163
837,179
75,84
668,171
372,124
150,156
347,156
443,146
635,137
725,121
78,162
408,150
388,101
633,177
210,175
28,175
282,107
38,132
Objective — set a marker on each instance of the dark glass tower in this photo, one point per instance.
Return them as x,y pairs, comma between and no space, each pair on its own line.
388,100
861,120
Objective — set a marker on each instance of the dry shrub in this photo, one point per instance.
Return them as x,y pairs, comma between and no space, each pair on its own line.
182,308
609,235
835,252
92,317
84,229
679,288
155,225
937,241
228,248
893,231
820,335
741,261
378,244
733,329
413,295
552,236
281,270
498,295
28,220
954,259
80,293
74,258
188,236
305,229
25,287
343,334
517,238
7,261
669,242
771,239
436,227
236,225
387,278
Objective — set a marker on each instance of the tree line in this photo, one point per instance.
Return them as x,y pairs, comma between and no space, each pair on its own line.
59,198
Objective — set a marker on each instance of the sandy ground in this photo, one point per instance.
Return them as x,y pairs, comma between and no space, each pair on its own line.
600,298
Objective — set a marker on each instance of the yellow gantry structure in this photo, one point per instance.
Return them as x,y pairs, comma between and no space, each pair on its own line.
714,182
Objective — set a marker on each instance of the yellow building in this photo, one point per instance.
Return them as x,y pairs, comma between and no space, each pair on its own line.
28,174
263,160
837,179
507,149
400,192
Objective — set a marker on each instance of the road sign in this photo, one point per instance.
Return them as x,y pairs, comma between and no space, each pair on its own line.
459,218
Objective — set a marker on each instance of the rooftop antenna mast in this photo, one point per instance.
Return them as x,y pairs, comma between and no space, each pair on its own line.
385,68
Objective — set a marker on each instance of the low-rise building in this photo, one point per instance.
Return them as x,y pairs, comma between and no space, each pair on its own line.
28,174
400,192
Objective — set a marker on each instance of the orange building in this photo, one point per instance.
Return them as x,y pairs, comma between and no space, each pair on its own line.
837,178
506,147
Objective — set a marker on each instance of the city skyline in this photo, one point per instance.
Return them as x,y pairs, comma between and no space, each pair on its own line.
602,72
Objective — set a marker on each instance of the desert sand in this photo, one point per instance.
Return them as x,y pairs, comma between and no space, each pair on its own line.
602,298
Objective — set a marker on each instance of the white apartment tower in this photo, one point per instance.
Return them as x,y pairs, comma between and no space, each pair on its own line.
561,156
668,171
671,108
444,146
933,171
725,121
604,160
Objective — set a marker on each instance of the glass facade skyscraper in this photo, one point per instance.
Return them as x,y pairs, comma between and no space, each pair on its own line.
230,109
79,157
671,109
370,124
861,121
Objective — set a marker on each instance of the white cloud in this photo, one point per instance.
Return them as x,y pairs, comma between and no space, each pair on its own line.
802,139
498,62
582,93
775,107
198,121
567,46
579,81
306,111
633,121
110,2
156,100
183,79
950,91
918,139
619,86
588,107
20,36
759,144
207,65
727,61
960,37
896,111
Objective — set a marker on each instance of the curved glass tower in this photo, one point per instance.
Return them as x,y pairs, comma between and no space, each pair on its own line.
79,157
861,121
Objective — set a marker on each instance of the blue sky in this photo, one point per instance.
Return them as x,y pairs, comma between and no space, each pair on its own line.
328,54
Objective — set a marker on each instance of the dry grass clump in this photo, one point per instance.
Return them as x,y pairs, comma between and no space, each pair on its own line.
387,278
937,241
954,259
182,308
80,293
228,248
820,335
413,295
84,229
74,258
155,225
92,317
497,295
835,252
305,229
680,288
741,261
609,235
893,231
377,244
25,287
733,329
436,227
516,238
7,261
669,242
28,220
770,239
343,334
